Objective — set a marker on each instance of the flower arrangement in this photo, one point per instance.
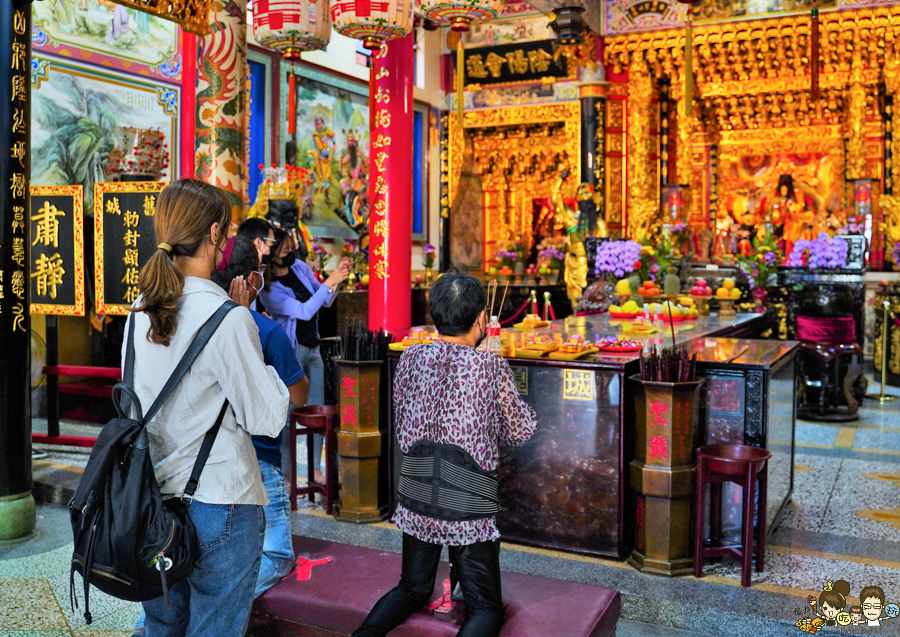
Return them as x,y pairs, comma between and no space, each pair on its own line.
507,258
319,257
759,265
348,250
821,252
428,256
552,257
618,258
895,253
856,224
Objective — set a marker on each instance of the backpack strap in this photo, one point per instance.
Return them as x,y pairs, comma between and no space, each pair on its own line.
200,341
202,455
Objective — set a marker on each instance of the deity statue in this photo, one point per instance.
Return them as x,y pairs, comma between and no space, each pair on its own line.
566,213
722,244
795,211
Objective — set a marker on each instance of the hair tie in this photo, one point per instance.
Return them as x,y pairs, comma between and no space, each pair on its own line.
165,246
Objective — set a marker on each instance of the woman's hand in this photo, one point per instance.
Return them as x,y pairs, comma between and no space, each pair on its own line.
240,291
339,275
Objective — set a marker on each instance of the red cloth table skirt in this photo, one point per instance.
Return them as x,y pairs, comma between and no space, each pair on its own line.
826,330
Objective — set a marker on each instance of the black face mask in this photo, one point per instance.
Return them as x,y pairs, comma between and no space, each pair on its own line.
483,336
267,259
288,261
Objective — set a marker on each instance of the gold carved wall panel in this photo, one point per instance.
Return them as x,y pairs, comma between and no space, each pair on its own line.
518,153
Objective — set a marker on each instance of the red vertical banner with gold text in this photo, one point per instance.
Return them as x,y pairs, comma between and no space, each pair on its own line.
391,188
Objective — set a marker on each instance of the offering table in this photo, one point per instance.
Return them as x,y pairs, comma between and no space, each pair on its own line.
568,487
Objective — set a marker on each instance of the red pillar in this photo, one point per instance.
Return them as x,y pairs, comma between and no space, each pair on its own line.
391,187
188,107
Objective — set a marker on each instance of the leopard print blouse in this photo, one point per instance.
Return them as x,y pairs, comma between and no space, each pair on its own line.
455,394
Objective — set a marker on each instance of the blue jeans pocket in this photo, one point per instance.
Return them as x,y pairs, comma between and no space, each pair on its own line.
213,523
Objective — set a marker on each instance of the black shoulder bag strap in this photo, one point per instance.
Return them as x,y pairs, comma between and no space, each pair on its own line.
200,341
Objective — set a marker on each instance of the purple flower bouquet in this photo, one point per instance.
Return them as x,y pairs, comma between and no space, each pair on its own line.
617,258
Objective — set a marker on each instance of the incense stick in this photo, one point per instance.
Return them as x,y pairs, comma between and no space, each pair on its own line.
671,324
505,290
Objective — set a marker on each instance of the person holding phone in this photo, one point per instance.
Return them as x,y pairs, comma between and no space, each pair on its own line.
293,297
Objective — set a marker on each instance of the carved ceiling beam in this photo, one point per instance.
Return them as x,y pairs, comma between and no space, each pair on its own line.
767,56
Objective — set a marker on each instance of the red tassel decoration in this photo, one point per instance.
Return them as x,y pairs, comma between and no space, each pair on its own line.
292,103
814,53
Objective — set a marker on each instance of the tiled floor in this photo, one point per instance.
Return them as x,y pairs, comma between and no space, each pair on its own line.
843,523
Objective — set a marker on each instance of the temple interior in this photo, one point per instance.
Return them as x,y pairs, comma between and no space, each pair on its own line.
682,214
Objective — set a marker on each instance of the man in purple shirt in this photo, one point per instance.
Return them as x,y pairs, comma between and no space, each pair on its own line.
454,407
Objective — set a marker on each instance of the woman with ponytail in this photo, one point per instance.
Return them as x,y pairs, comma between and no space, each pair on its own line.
177,298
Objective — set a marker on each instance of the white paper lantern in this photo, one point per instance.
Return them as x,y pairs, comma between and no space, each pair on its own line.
292,27
372,21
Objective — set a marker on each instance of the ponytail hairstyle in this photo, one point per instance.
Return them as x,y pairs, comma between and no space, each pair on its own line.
185,211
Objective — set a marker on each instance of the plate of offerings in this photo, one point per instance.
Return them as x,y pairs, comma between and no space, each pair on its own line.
639,326
543,344
620,346
531,322
415,337
574,347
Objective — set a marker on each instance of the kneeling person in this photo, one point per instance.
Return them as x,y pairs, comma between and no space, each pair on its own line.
454,405
242,279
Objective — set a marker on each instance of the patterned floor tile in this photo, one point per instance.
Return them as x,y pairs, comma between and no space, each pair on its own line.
855,492
29,604
812,487
810,573
816,434
878,440
102,605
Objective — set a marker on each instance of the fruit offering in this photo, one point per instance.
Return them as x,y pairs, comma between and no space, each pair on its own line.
505,271
629,308
433,337
543,344
623,287
648,288
701,288
575,344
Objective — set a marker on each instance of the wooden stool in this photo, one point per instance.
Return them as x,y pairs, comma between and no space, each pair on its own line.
308,421
739,464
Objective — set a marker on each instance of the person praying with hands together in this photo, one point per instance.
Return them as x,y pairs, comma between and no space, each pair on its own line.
293,298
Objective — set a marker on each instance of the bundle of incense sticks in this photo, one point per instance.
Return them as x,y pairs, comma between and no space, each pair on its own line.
669,366
492,297
362,344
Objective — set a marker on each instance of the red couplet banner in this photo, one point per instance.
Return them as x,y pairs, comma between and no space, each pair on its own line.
391,187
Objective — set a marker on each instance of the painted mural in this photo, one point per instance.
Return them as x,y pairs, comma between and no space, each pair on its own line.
107,34
497,32
75,113
333,144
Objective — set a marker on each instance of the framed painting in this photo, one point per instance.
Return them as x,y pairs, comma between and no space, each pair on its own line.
109,35
77,113
332,142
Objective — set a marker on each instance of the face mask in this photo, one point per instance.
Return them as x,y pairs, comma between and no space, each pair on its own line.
260,273
288,261
226,256
267,259
482,337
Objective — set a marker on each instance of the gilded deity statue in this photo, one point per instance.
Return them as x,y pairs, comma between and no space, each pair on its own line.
323,138
792,209
591,219
563,199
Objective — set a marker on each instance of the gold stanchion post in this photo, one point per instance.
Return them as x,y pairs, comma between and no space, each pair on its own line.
882,397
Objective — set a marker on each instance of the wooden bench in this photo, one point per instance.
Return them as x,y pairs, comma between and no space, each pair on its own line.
331,598
98,383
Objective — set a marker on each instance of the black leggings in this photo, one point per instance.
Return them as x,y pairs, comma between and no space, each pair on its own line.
478,568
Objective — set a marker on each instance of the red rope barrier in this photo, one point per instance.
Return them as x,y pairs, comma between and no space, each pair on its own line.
515,316
552,313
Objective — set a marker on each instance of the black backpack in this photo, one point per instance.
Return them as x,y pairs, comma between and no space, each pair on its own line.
129,542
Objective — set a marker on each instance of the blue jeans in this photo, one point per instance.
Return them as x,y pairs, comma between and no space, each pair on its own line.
278,554
311,362
215,600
